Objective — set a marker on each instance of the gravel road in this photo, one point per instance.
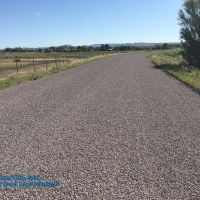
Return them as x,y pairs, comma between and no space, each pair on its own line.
113,129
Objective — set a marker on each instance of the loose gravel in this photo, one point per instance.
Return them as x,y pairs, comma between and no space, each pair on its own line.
114,129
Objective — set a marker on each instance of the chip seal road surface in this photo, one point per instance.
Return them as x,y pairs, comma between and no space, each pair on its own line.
113,129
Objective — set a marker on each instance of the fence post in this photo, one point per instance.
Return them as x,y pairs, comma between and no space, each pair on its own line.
46,64
17,66
56,62
34,65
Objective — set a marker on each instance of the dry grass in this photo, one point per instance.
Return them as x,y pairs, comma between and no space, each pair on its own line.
33,62
11,78
171,62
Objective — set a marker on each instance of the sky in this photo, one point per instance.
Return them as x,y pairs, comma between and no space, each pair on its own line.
43,23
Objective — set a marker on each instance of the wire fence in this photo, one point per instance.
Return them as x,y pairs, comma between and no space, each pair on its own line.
19,66
25,63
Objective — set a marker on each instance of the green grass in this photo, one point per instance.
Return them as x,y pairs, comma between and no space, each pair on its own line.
171,61
21,78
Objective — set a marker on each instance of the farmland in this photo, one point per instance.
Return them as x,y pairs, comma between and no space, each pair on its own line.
19,67
26,62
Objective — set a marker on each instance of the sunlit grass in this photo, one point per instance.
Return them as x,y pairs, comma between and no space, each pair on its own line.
24,76
171,62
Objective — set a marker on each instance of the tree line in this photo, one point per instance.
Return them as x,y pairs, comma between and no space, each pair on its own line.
103,47
189,18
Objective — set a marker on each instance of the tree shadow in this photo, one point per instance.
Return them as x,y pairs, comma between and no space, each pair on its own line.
171,70
167,67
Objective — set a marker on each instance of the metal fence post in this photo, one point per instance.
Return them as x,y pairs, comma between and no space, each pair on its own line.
17,66
56,62
34,69
46,64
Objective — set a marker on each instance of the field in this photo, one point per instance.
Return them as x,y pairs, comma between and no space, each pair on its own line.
11,63
20,67
172,62
16,68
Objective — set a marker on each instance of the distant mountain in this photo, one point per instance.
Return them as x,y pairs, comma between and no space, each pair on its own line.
138,44
113,45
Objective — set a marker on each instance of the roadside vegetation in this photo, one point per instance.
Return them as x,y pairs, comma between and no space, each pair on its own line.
172,62
30,73
189,18
184,63
18,65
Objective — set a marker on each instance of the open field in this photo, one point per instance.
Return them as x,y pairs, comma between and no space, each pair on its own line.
16,62
171,61
50,55
16,68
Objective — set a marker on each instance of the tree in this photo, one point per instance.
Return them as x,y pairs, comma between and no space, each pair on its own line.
189,18
165,46
104,47
84,48
8,50
39,50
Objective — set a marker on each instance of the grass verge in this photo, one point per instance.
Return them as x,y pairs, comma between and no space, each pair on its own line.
171,62
13,80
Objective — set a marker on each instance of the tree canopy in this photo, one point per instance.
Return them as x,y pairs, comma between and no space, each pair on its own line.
189,18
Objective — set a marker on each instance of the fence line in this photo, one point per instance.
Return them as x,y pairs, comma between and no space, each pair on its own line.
17,65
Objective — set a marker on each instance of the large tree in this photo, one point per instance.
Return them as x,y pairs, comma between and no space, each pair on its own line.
190,31
104,47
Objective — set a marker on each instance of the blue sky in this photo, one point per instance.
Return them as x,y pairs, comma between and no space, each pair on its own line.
41,23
